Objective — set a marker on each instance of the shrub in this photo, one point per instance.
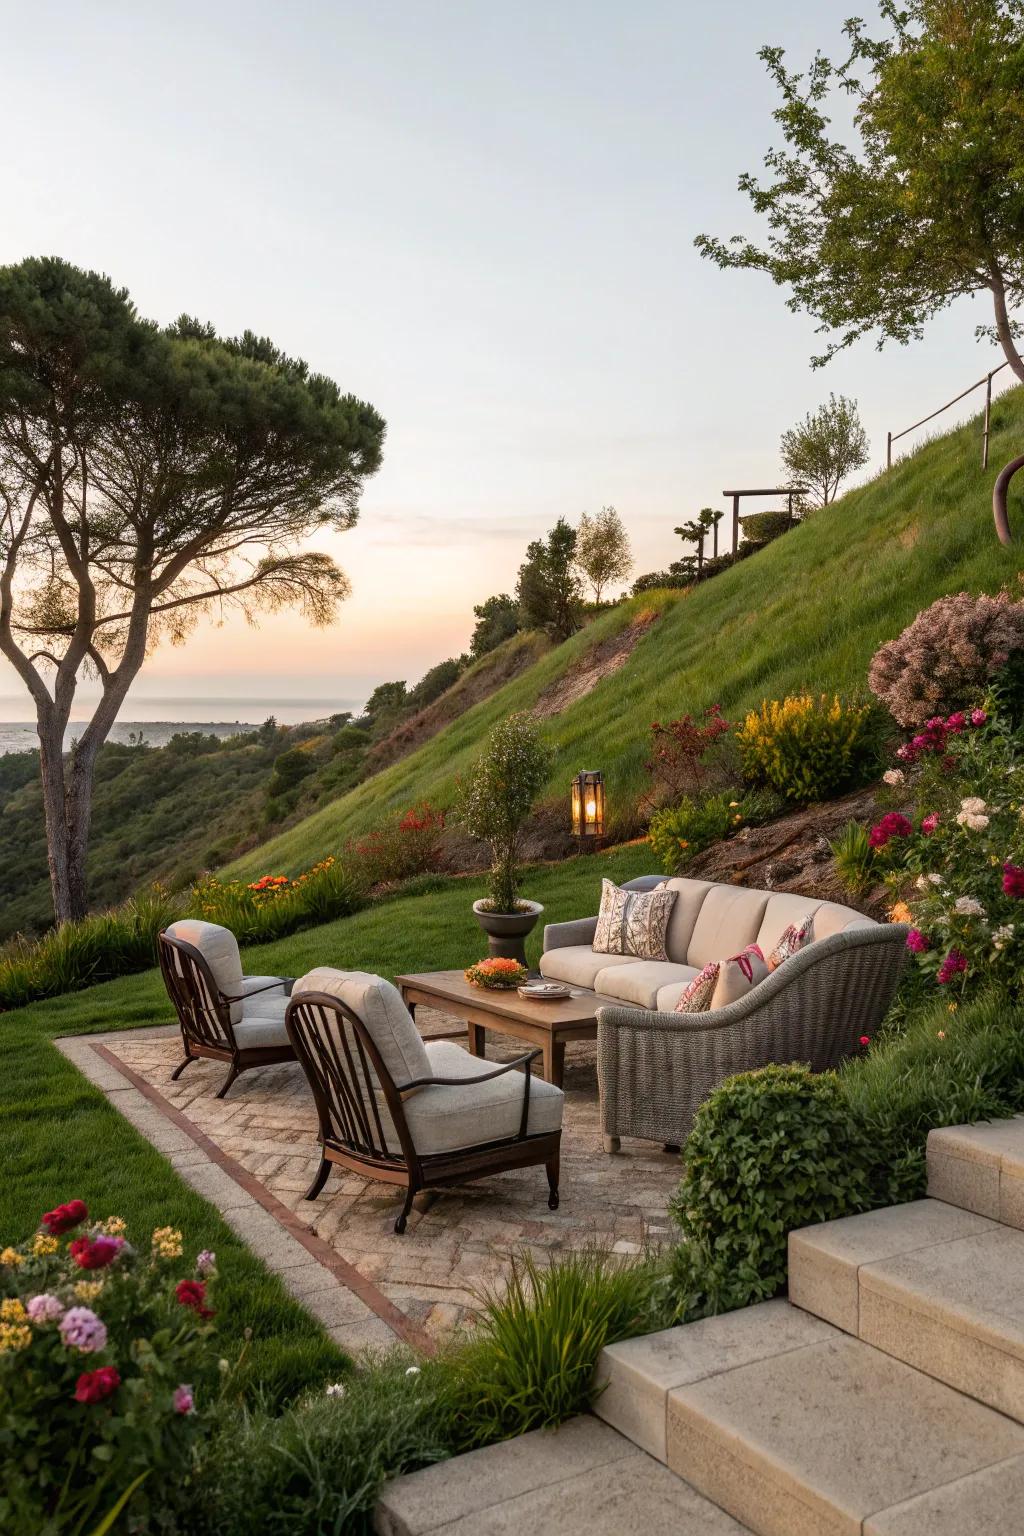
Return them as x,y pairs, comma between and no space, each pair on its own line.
106,1377
947,657
677,764
90,950
854,858
275,905
503,783
769,1151
809,749
401,847
679,832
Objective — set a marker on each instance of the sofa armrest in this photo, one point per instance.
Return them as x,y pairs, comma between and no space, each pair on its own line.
560,935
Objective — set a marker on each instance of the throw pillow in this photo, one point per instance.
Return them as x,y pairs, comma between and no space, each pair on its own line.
633,922
791,941
722,982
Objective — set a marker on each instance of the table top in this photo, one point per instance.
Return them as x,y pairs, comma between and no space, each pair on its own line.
452,987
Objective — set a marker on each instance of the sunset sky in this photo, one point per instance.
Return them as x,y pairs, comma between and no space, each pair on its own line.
478,216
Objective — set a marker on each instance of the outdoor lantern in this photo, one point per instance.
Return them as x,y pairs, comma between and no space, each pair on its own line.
588,805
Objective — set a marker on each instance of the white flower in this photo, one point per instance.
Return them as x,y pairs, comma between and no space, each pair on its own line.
973,820
413,1370
969,906
894,776
973,805
1002,936
336,1389
932,879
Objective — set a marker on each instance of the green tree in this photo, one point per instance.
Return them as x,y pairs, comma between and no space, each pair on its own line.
386,699
602,549
289,771
829,444
497,620
498,796
696,532
435,681
549,590
147,477
928,205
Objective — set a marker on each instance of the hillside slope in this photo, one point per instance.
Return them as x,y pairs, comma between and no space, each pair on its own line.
807,612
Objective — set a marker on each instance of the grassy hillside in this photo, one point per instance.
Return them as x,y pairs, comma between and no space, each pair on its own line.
808,611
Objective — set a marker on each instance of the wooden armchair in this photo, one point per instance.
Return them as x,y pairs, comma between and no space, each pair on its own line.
413,1114
223,1014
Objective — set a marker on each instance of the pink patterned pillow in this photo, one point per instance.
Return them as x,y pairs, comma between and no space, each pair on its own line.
791,941
722,982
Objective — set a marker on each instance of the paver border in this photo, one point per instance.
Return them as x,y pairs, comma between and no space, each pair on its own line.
238,1200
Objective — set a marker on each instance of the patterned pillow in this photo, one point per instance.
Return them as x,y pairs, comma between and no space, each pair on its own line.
791,941
722,982
633,922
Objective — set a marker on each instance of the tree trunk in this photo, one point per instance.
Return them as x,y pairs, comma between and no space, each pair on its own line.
51,769
1004,330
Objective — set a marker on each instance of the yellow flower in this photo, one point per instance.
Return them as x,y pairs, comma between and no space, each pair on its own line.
114,1226
167,1243
952,1007
12,1310
14,1336
941,1035
900,913
43,1245
11,1257
733,804
88,1290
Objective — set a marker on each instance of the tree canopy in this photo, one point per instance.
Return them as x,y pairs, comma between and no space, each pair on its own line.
829,444
148,476
497,619
602,549
549,590
928,205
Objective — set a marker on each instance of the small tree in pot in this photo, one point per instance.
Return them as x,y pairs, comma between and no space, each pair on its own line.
503,784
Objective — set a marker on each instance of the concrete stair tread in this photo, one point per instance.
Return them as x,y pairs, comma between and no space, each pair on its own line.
975,1284
981,1168
988,1503
816,1441
583,1479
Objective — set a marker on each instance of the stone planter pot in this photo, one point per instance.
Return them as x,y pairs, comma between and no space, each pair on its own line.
506,931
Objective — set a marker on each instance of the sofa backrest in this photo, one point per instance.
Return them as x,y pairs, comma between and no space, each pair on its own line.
712,922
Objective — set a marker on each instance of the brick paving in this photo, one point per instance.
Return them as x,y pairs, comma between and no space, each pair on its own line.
457,1242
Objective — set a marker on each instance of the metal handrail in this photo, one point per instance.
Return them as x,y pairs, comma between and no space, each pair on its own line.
986,379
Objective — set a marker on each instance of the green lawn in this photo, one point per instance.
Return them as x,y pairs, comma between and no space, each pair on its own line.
807,612
62,1140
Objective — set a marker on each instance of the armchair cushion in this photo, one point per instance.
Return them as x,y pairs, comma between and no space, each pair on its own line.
379,1006
257,1031
445,1119
266,986
219,948
577,965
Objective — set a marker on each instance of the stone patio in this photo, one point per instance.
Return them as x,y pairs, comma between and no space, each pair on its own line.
421,1286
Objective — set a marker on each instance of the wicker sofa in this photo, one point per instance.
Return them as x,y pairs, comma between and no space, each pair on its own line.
656,1066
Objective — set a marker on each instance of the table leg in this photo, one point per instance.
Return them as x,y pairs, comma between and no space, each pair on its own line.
477,1043
554,1061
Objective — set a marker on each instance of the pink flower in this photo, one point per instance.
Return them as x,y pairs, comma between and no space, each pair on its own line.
890,826
95,1252
192,1294
1013,879
929,823
81,1329
94,1386
64,1217
44,1308
956,723
978,717
206,1261
955,964
183,1400
917,943
865,1040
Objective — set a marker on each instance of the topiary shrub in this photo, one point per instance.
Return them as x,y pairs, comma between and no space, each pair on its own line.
770,1151
946,658
807,748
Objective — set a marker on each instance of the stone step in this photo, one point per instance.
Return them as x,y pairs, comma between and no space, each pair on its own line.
930,1284
980,1168
583,1479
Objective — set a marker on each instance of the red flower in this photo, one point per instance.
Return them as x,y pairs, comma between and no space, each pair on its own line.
955,964
95,1252
64,1217
1013,879
94,1386
192,1294
929,823
865,1040
890,826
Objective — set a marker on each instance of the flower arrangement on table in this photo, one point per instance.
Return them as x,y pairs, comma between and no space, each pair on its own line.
107,1373
496,975
957,865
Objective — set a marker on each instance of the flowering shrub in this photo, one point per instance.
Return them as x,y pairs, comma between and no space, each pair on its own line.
947,657
677,763
679,832
496,975
106,1376
401,847
959,870
809,748
275,905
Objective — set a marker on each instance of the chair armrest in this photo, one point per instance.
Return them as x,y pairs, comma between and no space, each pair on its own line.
561,935
286,982
458,1082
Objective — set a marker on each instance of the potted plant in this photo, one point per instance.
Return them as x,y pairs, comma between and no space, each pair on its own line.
504,782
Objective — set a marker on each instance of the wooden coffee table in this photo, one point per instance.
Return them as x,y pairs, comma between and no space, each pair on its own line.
549,1025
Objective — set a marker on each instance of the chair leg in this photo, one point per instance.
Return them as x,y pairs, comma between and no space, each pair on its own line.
402,1222
320,1180
552,1172
179,1070
228,1081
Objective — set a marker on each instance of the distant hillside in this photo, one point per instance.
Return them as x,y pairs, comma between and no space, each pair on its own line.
806,612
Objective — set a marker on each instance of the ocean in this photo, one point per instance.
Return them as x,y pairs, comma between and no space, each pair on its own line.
159,719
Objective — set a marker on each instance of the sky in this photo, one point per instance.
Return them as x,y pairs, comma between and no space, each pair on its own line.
478,216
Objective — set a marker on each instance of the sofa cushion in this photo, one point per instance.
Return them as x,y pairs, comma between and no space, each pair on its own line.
791,941
379,1006
633,922
832,918
219,948
577,964
690,896
729,919
669,995
444,1119
641,981
722,982
785,908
